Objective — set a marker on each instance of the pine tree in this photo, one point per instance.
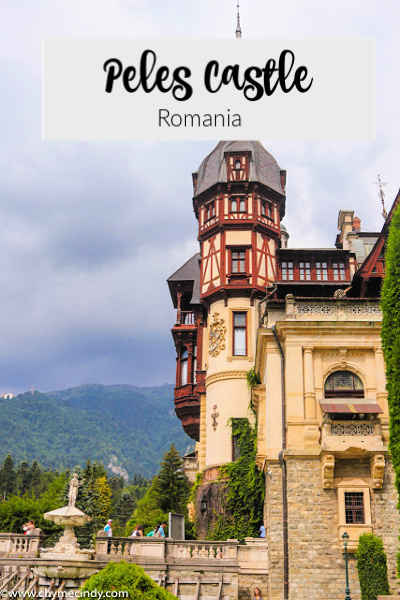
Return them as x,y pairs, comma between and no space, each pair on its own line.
124,508
22,478
7,477
171,486
391,337
35,480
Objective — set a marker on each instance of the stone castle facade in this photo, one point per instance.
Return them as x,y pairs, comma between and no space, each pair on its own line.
309,321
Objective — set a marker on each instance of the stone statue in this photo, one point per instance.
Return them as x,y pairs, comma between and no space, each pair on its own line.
73,490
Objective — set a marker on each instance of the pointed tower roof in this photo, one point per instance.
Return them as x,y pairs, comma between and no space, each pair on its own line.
238,28
263,167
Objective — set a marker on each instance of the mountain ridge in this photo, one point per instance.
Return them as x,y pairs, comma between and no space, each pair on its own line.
126,429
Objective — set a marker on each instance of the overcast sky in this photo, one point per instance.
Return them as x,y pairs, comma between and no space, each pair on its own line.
90,231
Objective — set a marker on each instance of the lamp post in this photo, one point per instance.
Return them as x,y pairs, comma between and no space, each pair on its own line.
345,538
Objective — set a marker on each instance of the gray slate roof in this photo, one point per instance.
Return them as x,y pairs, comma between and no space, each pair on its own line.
190,271
263,166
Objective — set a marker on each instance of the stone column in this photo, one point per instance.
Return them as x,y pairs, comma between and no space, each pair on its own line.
311,430
201,457
381,393
310,408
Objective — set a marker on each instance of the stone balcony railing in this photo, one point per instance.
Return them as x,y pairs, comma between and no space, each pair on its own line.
14,545
339,436
251,556
332,310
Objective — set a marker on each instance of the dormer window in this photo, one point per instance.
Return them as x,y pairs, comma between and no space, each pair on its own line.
238,164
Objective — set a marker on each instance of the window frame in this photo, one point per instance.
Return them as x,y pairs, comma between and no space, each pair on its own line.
183,362
232,260
353,392
238,200
235,329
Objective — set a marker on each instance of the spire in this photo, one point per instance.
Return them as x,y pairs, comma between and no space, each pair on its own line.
382,195
238,28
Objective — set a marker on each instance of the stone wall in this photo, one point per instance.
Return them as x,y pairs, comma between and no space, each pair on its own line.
386,519
273,522
316,561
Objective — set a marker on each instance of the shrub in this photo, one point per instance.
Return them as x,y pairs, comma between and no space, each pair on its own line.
371,566
128,578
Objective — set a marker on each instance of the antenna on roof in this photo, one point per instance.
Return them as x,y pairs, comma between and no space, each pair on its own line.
382,194
238,28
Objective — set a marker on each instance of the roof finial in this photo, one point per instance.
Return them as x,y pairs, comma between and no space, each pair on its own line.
382,195
238,28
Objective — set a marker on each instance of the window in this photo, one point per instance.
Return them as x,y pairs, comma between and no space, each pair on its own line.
238,164
238,261
305,271
234,205
194,379
210,211
242,205
339,271
184,366
287,271
354,507
266,210
239,333
344,384
321,269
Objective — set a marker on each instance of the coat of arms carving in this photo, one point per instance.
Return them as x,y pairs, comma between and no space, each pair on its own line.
217,335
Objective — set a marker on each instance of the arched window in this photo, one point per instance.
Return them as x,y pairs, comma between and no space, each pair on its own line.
242,205
343,384
237,164
234,206
184,366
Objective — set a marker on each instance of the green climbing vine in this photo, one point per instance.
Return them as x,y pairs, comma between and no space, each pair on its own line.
252,377
242,494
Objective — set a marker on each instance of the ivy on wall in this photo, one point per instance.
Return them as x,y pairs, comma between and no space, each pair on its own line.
242,494
391,340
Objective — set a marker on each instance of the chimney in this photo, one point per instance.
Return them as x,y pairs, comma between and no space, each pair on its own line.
345,226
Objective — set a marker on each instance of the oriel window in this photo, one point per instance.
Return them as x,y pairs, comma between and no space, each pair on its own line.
239,333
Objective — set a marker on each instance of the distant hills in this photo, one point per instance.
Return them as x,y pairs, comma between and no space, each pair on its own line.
128,428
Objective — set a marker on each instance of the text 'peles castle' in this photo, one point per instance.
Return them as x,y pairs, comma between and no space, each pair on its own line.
309,320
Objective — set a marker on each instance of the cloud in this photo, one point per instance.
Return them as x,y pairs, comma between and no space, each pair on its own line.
90,231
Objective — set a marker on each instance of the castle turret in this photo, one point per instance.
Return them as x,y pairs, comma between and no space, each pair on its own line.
239,201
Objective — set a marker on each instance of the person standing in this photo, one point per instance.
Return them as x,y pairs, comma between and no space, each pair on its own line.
108,528
262,531
161,531
257,594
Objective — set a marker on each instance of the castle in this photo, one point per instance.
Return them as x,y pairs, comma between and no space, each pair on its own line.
308,320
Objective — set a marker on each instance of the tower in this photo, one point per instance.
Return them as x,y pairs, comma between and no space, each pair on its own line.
239,201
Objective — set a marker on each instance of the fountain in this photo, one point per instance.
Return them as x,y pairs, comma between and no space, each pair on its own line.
67,547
